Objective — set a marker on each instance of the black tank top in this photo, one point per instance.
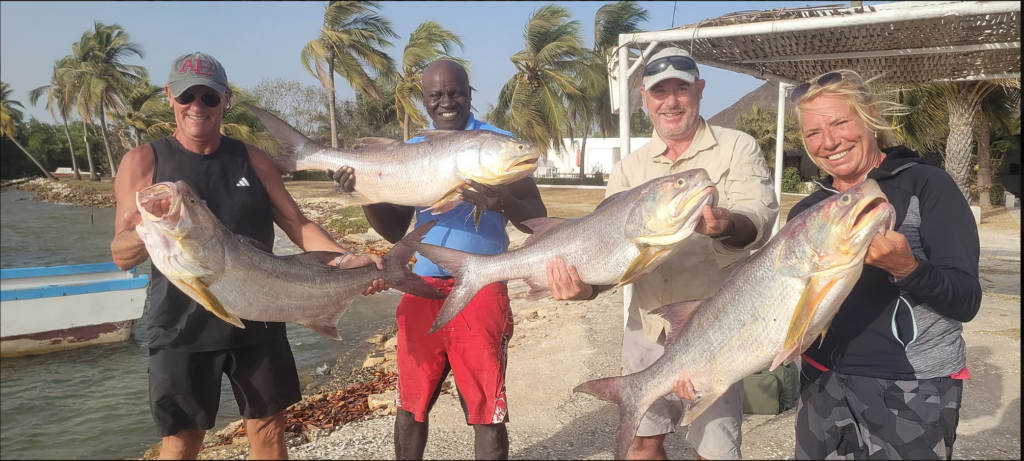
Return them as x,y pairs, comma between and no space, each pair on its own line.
226,180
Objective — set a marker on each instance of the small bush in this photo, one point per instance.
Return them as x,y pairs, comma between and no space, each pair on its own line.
998,194
311,175
791,180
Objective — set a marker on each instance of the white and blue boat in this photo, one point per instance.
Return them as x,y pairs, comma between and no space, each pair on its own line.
47,309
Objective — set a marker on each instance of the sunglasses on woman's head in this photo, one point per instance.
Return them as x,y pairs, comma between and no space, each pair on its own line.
208,99
825,80
658,66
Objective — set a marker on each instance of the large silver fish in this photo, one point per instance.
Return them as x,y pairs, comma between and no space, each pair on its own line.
232,277
423,174
624,239
767,313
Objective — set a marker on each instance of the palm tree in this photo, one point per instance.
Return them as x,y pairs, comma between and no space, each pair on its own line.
58,101
101,76
610,21
533,102
243,125
761,124
349,44
146,111
427,43
945,120
10,119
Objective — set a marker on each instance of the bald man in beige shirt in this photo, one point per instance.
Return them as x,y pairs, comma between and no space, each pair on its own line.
742,222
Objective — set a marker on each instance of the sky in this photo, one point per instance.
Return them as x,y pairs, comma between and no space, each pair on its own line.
256,40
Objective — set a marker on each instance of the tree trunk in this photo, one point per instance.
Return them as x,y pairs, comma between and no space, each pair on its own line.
106,143
959,146
88,154
984,160
405,127
334,123
71,145
583,157
138,137
33,159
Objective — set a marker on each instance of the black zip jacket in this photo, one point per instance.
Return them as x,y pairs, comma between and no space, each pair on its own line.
910,329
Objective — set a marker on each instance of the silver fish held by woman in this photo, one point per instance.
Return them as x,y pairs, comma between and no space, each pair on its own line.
232,277
624,239
767,313
423,174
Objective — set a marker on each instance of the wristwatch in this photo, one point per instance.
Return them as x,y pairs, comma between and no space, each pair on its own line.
337,261
728,231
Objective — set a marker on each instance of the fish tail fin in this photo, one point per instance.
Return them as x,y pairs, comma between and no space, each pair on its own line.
327,324
632,409
538,289
396,266
293,143
467,280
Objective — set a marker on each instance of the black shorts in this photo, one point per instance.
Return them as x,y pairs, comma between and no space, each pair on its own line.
184,387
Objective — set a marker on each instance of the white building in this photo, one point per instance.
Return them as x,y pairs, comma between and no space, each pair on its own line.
601,155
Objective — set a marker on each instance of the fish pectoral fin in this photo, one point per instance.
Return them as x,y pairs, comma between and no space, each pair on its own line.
202,294
699,404
659,240
327,324
637,269
477,214
446,203
677,314
814,293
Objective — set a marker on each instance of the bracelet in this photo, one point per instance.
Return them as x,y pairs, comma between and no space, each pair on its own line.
593,294
341,257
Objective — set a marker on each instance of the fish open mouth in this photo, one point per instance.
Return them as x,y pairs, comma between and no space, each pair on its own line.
145,198
528,162
870,212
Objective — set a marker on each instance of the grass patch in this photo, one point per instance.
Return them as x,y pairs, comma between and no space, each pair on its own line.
348,220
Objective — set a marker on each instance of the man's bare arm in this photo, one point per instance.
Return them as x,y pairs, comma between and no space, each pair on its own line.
134,174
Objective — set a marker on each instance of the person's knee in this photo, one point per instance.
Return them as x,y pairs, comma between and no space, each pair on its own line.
266,430
185,444
648,443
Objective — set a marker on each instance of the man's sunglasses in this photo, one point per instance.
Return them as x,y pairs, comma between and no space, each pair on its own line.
658,66
208,99
825,80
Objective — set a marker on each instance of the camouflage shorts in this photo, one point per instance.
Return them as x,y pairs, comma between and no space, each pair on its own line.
854,417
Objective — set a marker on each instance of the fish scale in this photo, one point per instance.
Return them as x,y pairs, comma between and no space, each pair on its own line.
418,174
235,280
791,288
603,245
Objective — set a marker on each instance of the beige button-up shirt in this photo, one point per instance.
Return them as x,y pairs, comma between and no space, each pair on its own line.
745,187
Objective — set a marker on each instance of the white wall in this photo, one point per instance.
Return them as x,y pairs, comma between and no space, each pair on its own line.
599,155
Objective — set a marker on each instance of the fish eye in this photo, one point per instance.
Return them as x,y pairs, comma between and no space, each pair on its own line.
520,147
192,201
845,199
681,182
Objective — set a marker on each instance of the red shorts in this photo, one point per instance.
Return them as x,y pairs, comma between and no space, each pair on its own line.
474,344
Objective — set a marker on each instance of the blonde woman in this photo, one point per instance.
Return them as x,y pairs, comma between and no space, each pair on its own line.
888,380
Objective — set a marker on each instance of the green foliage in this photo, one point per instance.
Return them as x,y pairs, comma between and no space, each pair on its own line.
762,125
998,194
349,220
791,180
